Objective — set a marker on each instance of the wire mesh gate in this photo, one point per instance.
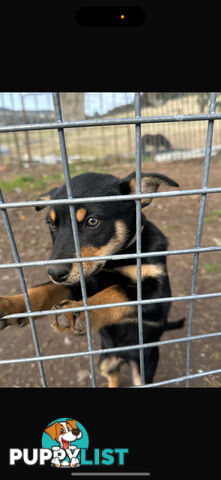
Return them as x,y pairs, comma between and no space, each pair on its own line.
137,121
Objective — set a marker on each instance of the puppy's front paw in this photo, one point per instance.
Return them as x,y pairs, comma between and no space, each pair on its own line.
8,306
69,321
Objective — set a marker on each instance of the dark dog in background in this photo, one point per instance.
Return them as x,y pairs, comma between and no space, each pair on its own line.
105,229
157,141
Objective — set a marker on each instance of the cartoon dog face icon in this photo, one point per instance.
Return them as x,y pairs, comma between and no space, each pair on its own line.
64,433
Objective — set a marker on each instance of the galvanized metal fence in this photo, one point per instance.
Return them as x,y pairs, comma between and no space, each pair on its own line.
137,121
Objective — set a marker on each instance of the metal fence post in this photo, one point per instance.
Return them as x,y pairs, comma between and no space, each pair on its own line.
138,232
24,289
58,115
209,141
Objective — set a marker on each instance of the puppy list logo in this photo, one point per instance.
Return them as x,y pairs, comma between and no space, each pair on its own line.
65,437
65,443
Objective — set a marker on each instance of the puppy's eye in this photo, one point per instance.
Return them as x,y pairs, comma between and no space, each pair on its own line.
92,221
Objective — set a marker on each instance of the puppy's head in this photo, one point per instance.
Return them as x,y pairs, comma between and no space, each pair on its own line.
104,228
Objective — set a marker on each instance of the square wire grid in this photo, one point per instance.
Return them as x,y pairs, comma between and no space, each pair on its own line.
137,120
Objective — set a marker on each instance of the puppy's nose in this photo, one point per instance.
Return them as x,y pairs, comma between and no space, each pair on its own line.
59,273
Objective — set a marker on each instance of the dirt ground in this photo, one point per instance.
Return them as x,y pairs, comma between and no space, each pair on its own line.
177,217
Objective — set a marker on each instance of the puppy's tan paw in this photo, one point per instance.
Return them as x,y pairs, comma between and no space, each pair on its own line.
72,322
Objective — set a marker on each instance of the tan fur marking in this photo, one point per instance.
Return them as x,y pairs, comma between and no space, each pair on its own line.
110,364
147,270
133,190
80,214
102,317
89,251
133,185
52,215
45,197
113,377
148,185
136,378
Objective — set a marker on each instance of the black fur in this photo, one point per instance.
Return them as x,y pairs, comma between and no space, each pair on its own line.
157,141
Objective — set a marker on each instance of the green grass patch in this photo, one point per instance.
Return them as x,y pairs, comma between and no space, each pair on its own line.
147,158
214,215
212,267
27,182
167,227
41,183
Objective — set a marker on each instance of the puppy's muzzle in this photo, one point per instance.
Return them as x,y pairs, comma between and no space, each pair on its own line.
59,273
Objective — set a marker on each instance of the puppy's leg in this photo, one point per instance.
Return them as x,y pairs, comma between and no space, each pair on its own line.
110,368
135,372
151,357
42,297
114,379
76,322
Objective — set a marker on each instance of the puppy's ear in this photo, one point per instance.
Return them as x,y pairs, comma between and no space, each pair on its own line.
46,196
73,424
75,429
150,183
52,430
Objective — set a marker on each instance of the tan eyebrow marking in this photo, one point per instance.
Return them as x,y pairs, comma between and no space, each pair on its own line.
52,215
80,214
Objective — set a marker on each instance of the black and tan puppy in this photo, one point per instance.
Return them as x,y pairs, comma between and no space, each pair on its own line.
105,229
